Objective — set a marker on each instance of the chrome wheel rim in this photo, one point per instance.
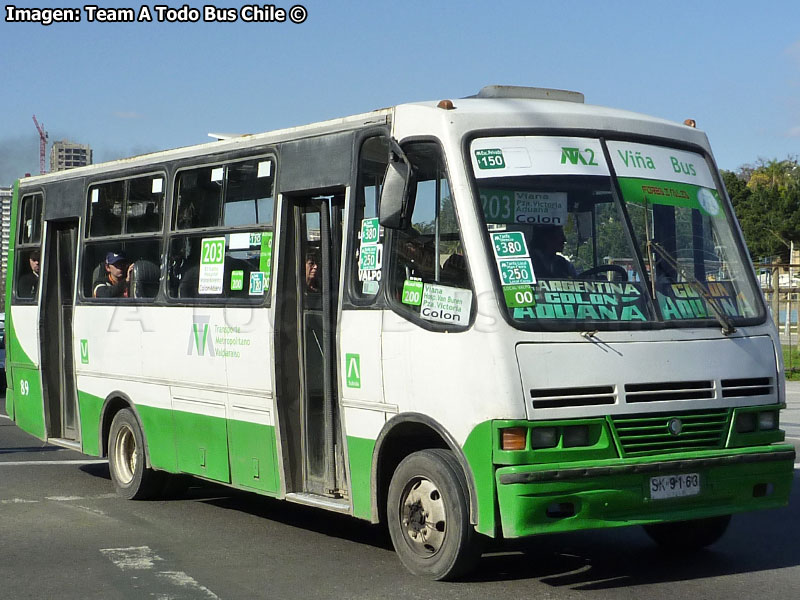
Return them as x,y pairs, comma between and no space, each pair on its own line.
125,455
423,516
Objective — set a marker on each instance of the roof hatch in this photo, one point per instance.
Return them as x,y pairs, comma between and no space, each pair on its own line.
530,93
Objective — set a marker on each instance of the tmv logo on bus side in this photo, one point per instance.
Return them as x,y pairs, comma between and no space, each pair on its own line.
199,339
576,155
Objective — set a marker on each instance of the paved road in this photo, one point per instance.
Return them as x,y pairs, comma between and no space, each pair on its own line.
64,534
790,418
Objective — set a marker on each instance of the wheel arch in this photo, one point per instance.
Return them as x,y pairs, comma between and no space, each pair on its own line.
402,435
115,402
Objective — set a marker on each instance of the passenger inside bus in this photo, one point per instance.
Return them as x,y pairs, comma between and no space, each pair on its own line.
29,282
116,280
312,272
547,243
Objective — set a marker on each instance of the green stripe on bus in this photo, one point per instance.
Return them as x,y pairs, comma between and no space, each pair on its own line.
478,452
360,452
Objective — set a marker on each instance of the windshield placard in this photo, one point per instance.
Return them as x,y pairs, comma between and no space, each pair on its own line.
656,162
536,155
532,208
670,193
582,301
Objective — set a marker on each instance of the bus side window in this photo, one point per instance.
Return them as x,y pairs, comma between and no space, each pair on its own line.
29,239
372,163
428,271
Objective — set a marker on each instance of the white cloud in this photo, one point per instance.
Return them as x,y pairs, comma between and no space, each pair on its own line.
793,132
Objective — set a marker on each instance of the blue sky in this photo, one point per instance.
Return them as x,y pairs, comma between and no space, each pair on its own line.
132,88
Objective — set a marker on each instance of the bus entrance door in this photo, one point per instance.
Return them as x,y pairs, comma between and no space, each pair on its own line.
55,331
306,319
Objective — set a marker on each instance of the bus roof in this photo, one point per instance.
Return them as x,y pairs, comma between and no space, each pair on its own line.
495,107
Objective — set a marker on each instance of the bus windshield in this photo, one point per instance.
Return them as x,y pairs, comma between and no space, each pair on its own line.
581,244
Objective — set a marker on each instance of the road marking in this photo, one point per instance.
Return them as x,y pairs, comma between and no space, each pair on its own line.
141,561
18,501
5,417
22,463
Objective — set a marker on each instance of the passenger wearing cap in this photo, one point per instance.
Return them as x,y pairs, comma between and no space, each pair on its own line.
117,280
29,283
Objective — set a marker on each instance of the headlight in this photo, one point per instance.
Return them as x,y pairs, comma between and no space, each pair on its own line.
544,437
746,422
767,420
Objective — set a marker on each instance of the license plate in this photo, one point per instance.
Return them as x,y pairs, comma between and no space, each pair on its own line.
674,486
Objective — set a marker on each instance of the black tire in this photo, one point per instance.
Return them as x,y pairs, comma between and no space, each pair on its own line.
683,536
428,516
132,478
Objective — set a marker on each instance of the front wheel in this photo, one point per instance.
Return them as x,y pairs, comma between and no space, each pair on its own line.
132,478
688,535
428,516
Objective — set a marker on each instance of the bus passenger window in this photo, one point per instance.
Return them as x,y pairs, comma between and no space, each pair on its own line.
248,193
122,269
145,205
29,239
28,270
245,259
30,226
105,208
199,193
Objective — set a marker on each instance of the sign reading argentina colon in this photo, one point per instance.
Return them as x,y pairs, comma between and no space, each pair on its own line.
657,175
525,156
579,300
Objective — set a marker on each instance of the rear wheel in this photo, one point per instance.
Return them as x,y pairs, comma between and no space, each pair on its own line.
428,516
132,478
688,535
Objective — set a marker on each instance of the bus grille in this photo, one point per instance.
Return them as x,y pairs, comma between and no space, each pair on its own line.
640,435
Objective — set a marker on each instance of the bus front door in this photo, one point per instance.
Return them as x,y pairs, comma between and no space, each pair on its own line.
55,331
306,319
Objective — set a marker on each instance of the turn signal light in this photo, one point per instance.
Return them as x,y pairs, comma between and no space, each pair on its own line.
514,438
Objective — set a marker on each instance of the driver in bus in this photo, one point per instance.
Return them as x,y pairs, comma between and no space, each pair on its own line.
117,280
547,244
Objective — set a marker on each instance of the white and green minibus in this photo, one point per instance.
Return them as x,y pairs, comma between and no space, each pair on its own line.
495,317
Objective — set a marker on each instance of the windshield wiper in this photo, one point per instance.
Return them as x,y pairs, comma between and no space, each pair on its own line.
727,325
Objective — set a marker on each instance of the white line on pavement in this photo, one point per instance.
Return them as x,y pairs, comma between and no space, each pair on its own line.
142,561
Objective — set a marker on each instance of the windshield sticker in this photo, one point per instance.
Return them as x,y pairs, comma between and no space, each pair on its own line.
370,252
519,296
257,281
370,230
237,280
537,155
490,159
584,300
649,191
265,257
684,301
532,208
212,266
239,241
412,292
370,258
509,244
516,271
657,162
444,304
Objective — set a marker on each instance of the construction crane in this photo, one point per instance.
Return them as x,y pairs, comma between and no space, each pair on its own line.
42,145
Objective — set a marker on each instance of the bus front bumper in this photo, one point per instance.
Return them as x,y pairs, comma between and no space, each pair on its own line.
555,498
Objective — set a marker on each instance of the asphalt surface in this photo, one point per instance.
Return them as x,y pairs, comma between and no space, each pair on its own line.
65,534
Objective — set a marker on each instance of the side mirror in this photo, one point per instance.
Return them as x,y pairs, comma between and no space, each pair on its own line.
397,194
